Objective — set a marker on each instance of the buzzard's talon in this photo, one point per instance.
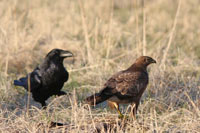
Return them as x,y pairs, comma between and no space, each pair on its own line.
123,117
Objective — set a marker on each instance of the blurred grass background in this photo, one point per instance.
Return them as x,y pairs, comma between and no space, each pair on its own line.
106,37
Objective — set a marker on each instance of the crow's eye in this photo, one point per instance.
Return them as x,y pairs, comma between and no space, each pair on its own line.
56,53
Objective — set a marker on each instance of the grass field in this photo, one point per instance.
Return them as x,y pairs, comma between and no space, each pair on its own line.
106,36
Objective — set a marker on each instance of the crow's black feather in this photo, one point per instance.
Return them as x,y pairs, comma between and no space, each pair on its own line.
48,78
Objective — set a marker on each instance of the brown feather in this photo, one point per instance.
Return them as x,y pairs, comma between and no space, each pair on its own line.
125,86
111,105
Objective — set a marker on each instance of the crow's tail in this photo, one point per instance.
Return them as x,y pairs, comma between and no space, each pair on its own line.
97,98
20,82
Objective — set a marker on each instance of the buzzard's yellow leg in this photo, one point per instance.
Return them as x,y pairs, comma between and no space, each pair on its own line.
117,108
120,114
134,110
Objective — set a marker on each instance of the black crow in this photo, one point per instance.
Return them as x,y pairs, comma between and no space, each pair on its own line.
48,78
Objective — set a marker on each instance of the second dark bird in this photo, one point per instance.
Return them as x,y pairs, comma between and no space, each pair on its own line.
48,78
124,87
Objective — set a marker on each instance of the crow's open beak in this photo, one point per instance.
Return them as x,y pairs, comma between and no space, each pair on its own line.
65,54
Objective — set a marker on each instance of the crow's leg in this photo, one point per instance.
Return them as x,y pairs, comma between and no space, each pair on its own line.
44,105
60,93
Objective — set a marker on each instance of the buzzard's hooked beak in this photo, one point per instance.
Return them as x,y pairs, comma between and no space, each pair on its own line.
65,54
153,61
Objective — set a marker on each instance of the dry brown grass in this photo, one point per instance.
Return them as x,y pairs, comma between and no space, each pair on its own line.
106,36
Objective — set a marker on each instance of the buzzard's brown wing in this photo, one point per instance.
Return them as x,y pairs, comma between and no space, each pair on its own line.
124,85
127,83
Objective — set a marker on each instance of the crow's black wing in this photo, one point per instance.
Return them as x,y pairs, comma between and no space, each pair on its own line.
35,80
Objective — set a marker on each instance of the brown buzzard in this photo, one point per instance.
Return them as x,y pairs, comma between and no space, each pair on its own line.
124,87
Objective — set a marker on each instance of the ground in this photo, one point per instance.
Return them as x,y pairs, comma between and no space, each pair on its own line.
106,37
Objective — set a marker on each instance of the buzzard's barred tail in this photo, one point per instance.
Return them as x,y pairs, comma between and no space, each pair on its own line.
97,98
